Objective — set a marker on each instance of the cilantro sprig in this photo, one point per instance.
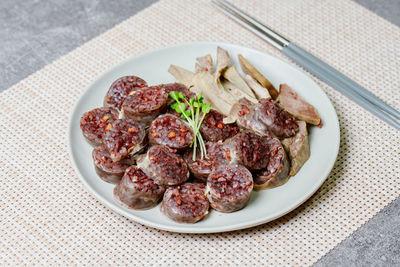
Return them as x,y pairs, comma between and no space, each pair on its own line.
193,111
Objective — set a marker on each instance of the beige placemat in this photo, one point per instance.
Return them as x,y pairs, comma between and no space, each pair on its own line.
47,215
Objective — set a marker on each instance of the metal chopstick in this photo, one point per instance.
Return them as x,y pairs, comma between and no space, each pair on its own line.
320,69
340,86
261,30
340,76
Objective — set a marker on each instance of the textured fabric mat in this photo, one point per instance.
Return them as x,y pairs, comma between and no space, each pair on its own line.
47,215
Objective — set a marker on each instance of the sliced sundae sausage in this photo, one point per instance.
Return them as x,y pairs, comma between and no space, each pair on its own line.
185,203
137,191
213,128
298,148
248,149
277,120
277,171
145,104
201,168
266,118
163,166
169,130
123,137
93,123
177,87
107,169
229,187
120,89
243,112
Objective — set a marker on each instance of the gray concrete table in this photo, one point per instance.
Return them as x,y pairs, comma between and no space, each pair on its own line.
34,33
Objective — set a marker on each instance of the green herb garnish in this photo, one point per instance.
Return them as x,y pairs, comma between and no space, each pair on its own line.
193,111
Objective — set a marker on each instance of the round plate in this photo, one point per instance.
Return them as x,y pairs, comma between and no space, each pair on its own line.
265,205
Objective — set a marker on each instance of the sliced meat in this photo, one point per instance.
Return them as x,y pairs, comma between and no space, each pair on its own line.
182,75
236,92
229,187
169,130
185,203
213,91
206,63
223,59
213,128
124,137
298,148
232,75
295,105
120,89
201,168
145,104
259,91
163,166
248,149
249,69
137,191
277,171
106,169
93,123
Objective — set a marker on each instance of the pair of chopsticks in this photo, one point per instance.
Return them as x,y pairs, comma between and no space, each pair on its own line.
320,69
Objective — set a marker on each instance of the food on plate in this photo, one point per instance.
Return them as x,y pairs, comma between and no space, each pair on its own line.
194,112
253,72
176,87
235,80
278,122
243,112
258,90
120,89
298,148
145,104
170,131
185,203
207,140
229,187
94,123
163,166
211,84
277,171
214,93
201,168
182,75
223,59
297,106
248,149
266,118
123,137
107,169
205,63
213,128
137,191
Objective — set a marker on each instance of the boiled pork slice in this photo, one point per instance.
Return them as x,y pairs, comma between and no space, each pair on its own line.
298,148
295,105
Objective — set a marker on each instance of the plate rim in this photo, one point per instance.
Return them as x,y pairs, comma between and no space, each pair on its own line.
198,230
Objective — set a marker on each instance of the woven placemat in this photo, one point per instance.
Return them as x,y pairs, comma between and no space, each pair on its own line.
47,215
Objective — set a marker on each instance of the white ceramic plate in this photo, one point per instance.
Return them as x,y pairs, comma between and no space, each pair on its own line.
264,205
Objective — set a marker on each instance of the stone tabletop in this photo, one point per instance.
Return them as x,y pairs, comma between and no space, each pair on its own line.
36,32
